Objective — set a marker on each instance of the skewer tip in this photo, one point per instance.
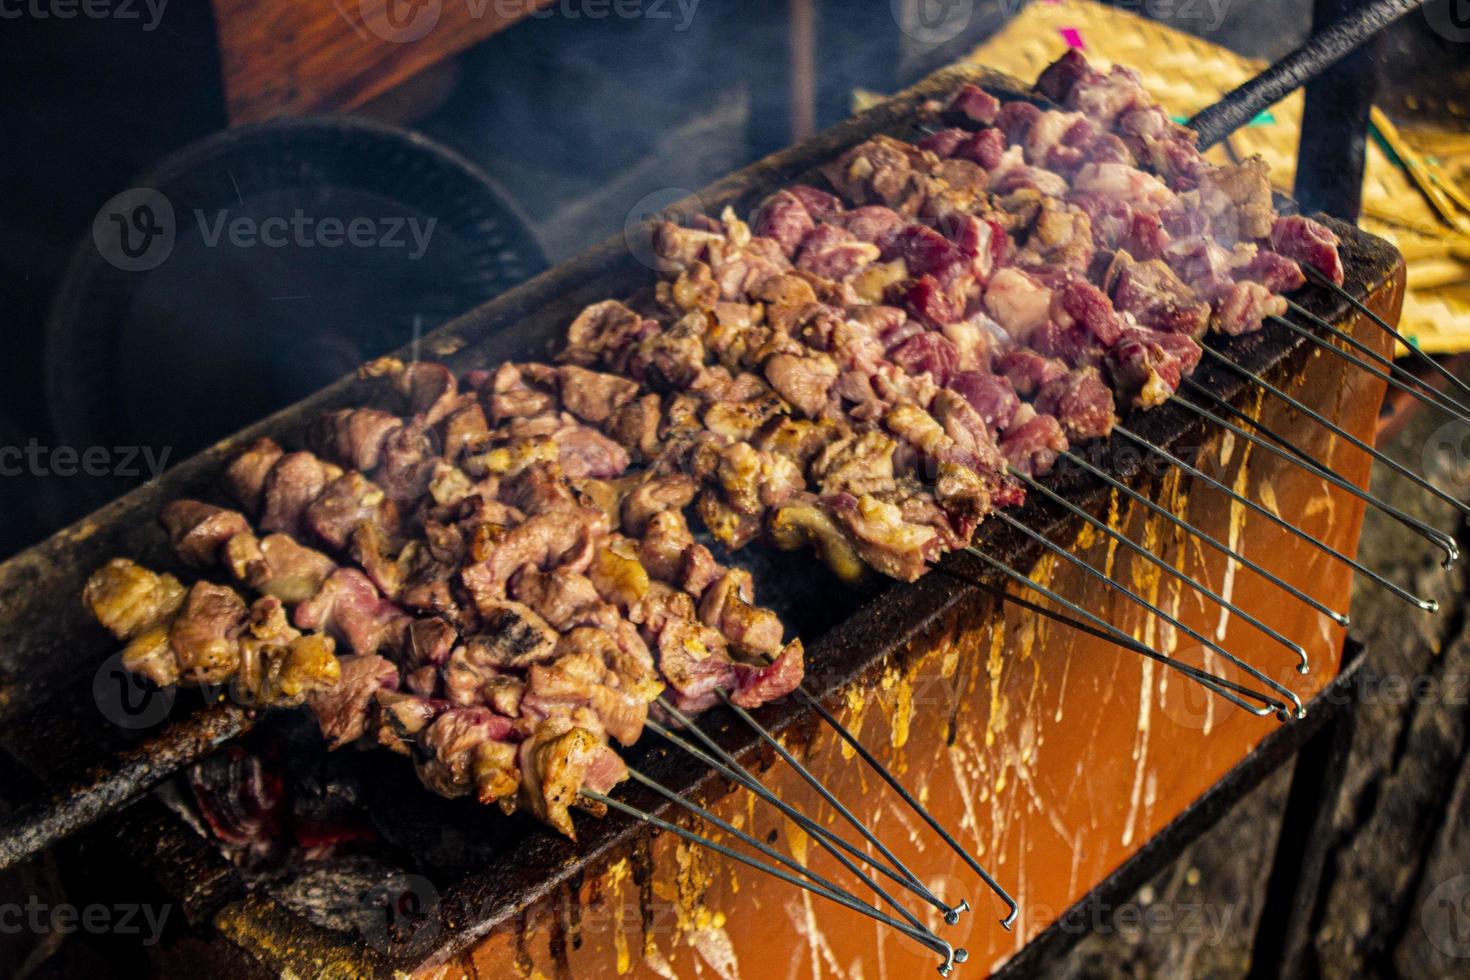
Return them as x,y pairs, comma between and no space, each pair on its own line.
1010,919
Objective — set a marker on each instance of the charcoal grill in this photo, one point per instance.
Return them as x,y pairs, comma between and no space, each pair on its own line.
920,664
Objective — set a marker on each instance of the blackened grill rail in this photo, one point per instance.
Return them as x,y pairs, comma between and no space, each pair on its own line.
1244,102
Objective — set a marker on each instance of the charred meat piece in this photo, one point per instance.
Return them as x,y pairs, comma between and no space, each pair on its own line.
281,666
342,710
244,479
1308,241
277,566
558,762
1081,402
1033,441
128,599
349,607
353,437
292,484
205,634
883,538
512,635
1148,364
198,531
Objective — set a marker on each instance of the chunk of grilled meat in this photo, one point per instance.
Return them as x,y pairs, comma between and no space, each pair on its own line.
206,635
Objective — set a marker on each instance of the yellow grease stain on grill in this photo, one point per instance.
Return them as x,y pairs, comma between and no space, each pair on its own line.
614,877
857,702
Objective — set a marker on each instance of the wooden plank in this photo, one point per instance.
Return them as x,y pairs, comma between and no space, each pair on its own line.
284,57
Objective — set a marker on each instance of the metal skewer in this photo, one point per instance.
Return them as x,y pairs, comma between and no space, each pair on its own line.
1317,277
1441,538
1428,605
1386,361
950,915
1339,618
1301,459
1398,378
726,764
919,934
1151,607
1332,426
1121,639
792,863
1013,910
1212,682
1163,565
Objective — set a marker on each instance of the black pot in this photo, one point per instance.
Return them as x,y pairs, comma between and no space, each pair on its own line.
256,266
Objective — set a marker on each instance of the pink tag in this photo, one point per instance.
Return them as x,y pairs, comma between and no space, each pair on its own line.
1072,36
